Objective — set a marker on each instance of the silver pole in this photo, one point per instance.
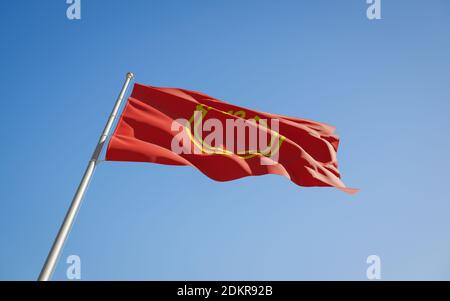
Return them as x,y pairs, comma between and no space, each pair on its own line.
55,252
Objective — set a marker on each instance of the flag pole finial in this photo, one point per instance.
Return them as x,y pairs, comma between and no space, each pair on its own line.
130,75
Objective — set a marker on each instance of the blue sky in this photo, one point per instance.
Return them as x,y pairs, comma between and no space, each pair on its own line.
384,84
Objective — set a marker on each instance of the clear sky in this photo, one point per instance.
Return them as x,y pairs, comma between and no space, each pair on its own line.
385,85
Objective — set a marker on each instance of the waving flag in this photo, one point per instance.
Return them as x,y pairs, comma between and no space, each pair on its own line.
225,142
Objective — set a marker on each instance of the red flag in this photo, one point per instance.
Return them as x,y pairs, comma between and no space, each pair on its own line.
225,142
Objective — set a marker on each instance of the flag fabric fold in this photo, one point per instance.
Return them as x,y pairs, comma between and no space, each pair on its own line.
181,127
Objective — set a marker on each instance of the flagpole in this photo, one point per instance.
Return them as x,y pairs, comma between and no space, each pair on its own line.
55,251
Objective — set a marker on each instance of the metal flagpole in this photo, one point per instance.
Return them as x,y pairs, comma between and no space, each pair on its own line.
53,256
